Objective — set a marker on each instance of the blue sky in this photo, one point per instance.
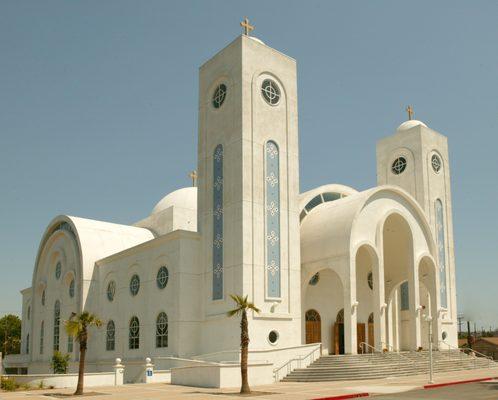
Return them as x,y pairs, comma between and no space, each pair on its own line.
98,109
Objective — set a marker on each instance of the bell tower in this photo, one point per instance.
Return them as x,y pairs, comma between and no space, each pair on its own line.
416,158
248,187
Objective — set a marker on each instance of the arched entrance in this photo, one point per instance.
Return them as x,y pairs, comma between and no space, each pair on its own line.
339,333
313,327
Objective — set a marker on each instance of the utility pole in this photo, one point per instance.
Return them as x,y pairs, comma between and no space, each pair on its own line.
469,336
460,319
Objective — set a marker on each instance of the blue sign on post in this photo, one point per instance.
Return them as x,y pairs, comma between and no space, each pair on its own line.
149,372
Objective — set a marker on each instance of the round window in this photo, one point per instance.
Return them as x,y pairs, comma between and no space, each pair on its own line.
399,165
111,290
370,280
134,285
436,163
71,288
162,277
273,337
58,270
444,335
219,95
270,92
314,279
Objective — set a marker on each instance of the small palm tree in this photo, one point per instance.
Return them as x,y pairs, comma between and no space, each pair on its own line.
242,306
77,327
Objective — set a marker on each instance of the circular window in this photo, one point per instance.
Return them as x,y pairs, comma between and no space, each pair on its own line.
399,165
71,288
436,163
444,335
270,92
314,279
273,337
111,290
370,280
58,270
43,298
134,285
162,277
219,95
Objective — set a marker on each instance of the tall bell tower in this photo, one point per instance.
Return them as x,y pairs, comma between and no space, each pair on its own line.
248,194
416,158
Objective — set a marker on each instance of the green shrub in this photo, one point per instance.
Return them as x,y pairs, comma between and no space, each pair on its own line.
59,362
9,384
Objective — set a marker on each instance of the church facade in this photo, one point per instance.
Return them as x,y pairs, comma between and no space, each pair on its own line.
352,270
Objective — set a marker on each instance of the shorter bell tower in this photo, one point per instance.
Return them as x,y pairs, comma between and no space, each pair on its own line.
416,158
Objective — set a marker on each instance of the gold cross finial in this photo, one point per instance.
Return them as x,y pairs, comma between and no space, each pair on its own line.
247,26
193,176
409,110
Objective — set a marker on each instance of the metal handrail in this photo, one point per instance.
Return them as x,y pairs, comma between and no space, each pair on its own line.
401,356
288,364
463,350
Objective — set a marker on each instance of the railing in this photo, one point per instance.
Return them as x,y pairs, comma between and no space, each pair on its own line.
299,361
476,354
401,357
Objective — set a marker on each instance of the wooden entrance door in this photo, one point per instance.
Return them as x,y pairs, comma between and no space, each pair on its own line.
371,338
338,335
313,327
360,336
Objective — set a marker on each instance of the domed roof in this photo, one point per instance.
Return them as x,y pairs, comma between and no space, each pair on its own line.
184,198
409,125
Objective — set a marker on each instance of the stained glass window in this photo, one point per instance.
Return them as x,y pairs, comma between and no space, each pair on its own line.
57,321
436,163
218,223
272,179
110,338
134,334
270,92
399,165
405,298
111,290
441,247
134,285
58,270
162,330
219,95
162,277
71,288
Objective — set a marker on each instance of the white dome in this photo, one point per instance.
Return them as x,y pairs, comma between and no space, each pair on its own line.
184,198
410,124
256,39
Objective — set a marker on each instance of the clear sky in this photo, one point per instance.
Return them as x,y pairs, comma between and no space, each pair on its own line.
98,109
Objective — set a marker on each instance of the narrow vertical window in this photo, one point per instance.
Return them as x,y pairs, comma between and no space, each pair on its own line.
27,343
272,178
57,320
110,340
42,336
405,298
162,330
134,334
218,223
441,247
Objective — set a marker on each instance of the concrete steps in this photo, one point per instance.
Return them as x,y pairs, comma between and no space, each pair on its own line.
377,365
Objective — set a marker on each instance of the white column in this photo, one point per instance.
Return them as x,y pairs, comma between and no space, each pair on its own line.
380,307
415,308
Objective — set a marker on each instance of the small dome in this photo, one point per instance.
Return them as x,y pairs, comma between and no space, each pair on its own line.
256,39
184,198
409,125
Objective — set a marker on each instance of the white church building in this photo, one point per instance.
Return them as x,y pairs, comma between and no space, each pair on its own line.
331,265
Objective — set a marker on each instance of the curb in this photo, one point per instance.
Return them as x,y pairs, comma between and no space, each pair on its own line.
437,385
344,396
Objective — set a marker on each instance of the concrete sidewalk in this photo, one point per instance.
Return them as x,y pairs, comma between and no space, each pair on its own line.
278,391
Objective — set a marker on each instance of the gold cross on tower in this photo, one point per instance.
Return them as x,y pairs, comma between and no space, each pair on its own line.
193,176
247,26
409,110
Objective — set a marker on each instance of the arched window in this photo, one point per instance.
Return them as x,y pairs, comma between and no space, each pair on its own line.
42,336
110,339
218,223
371,318
71,288
272,180
27,343
339,319
312,315
441,246
43,297
162,330
134,334
57,321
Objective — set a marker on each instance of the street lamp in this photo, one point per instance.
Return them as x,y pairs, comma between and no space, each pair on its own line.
429,321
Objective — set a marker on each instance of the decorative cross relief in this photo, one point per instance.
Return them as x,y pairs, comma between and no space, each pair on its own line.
273,268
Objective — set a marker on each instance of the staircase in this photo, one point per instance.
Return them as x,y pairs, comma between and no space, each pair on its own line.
383,365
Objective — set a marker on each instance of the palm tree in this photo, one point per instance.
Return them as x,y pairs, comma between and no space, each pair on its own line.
77,327
242,306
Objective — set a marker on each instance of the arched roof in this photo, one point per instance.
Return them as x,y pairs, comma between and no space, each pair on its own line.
335,228
322,194
94,239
